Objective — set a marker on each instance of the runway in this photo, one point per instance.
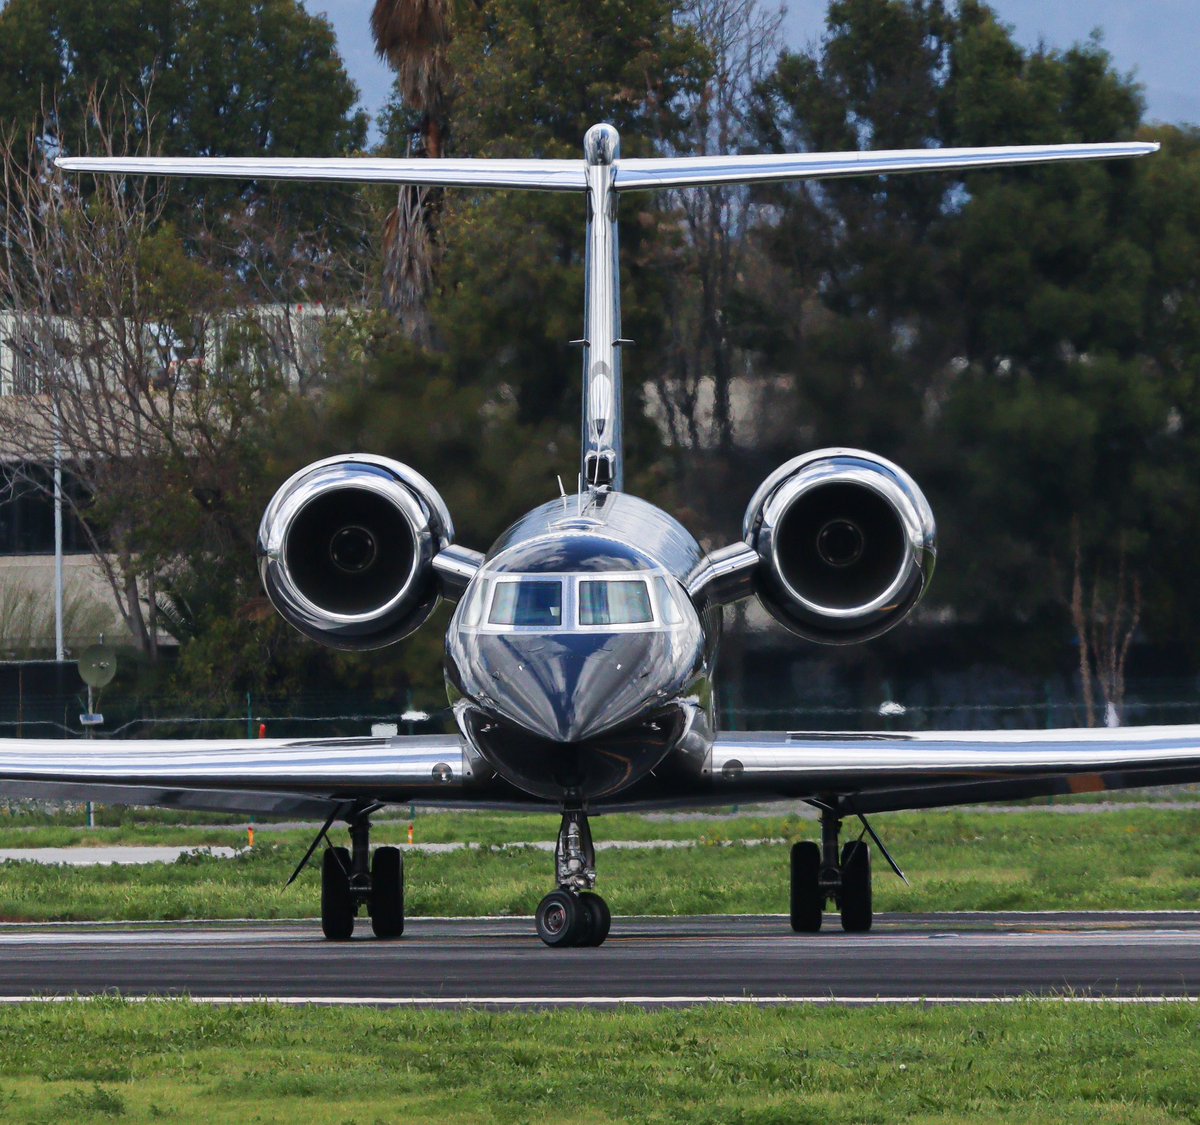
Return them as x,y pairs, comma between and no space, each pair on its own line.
653,961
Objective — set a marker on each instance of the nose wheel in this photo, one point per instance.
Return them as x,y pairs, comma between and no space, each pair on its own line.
574,915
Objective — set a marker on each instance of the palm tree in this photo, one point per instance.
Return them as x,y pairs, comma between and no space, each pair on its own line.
412,36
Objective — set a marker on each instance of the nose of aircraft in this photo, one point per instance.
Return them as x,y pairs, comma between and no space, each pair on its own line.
569,688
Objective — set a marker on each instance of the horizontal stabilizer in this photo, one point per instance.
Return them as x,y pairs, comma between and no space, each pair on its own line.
630,175
693,171
538,175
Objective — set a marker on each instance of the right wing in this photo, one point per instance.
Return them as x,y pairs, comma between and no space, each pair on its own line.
886,771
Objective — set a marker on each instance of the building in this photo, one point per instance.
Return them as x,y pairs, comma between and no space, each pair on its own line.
287,340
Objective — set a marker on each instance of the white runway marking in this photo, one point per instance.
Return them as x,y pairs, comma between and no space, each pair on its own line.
598,1001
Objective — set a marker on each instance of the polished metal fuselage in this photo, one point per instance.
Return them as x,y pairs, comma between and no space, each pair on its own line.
573,714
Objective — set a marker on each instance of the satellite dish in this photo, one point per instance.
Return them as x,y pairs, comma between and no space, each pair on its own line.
97,666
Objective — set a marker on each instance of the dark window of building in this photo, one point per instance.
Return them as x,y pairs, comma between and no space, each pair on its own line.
27,513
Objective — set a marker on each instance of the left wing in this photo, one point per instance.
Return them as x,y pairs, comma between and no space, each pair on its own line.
885,771
303,777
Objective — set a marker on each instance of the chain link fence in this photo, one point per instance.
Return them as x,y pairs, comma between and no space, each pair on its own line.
917,706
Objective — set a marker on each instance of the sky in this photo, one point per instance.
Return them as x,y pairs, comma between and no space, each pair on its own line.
1154,39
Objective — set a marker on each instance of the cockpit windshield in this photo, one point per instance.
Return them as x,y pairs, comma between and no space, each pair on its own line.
527,601
623,601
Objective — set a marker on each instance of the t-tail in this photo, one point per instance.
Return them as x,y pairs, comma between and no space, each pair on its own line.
602,176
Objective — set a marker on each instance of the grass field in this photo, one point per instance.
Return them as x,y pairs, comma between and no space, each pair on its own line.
1030,1062
1131,859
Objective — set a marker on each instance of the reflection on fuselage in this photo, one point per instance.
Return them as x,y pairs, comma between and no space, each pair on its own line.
576,662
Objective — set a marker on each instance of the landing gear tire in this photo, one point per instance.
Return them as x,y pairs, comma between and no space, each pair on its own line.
562,920
387,893
600,915
855,898
337,902
808,900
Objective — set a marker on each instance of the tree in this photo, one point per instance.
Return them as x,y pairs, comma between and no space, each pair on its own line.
195,78
151,375
1164,220
413,36
530,80
861,261
703,266
218,77
991,332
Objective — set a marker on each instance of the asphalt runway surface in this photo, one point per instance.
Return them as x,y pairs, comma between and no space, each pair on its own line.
933,958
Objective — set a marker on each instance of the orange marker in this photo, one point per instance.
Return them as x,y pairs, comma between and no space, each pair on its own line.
410,832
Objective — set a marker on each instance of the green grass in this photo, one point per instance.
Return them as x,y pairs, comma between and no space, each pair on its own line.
432,828
1132,859
1030,1062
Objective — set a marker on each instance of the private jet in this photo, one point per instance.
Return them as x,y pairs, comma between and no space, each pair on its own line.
580,658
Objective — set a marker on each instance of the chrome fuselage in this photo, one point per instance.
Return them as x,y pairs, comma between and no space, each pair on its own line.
576,663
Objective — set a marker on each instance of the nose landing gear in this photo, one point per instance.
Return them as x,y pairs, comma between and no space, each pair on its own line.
573,915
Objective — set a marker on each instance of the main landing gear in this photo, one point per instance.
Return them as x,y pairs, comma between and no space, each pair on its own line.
353,878
820,875
573,915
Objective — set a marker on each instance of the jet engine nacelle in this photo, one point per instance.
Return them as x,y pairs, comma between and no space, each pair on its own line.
346,550
846,543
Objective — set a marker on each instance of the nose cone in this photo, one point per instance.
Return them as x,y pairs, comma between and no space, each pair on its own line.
574,715
569,689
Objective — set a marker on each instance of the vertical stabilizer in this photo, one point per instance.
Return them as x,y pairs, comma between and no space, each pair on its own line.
602,465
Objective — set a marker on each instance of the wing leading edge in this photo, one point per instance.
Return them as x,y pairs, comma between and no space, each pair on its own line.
881,772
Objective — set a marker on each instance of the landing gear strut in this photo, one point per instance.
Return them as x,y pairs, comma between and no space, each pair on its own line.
353,878
573,915
821,875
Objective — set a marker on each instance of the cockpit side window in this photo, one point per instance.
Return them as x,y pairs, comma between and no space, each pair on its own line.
668,607
473,609
614,602
527,602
